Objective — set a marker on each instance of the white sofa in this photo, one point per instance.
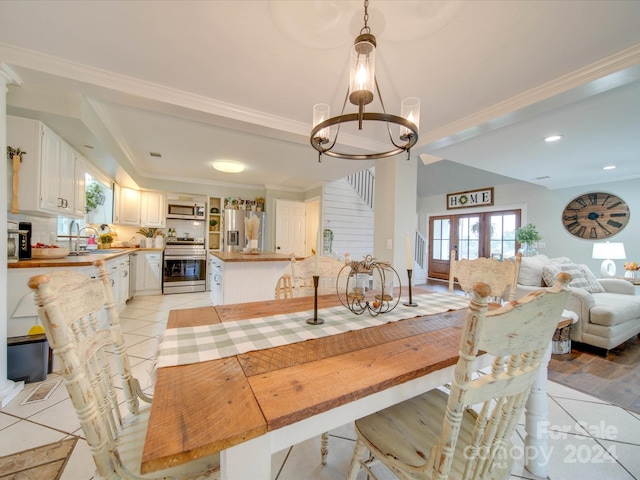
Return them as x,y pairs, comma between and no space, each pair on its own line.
608,309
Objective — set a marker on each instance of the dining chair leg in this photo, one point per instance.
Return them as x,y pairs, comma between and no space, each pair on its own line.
356,459
324,447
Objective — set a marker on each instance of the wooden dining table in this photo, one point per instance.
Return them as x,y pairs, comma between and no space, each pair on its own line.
251,405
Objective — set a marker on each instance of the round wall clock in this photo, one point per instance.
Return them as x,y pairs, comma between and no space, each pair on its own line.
595,215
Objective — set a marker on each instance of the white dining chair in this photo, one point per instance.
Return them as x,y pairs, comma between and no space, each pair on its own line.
501,276
83,329
328,269
467,434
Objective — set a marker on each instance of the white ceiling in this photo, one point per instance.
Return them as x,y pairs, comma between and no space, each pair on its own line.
207,80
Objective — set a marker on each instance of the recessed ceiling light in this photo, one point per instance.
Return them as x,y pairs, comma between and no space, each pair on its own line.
553,138
228,166
609,167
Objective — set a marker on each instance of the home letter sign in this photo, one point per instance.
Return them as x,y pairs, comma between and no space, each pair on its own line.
472,198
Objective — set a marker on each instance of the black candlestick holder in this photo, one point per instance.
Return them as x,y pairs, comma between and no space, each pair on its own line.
315,320
410,302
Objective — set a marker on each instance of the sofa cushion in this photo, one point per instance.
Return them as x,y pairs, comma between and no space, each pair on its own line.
614,309
531,270
594,284
578,274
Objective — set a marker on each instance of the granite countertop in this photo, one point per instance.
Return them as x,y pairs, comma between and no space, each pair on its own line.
250,257
84,260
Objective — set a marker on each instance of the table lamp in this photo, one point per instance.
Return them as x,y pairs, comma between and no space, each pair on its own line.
608,252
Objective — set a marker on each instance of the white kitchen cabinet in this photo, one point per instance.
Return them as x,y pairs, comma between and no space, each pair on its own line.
114,276
80,168
139,208
123,282
50,177
127,206
148,273
153,209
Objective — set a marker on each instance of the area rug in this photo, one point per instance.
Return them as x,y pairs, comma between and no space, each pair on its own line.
614,378
43,463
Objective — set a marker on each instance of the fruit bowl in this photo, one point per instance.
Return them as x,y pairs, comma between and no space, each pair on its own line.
52,252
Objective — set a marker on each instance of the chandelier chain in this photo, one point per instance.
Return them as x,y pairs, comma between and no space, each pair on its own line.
366,18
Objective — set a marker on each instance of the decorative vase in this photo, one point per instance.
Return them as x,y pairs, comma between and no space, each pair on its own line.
631,274
527,250
253,243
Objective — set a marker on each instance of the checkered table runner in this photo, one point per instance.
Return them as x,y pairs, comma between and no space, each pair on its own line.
185,345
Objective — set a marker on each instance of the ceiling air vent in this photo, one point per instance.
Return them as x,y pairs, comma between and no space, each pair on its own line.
155,154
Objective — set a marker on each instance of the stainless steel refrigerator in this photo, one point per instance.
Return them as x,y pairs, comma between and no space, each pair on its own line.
234,230
234,234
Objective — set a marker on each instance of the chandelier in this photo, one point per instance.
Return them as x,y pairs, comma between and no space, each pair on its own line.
362,88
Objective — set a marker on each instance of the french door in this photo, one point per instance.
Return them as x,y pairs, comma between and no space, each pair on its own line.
472,235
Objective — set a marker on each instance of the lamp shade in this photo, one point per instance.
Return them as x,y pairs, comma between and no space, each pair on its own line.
608,251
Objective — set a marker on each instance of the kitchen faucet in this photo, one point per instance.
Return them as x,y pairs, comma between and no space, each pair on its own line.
86,227
76,249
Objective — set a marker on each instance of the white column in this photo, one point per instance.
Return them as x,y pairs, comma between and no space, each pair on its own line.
395,211
8,388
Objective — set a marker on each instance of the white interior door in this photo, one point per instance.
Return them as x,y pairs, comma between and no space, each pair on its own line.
290,227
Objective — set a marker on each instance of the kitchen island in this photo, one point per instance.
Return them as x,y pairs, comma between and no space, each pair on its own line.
236,277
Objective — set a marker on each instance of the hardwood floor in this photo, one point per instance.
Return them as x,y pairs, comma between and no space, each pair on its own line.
615,379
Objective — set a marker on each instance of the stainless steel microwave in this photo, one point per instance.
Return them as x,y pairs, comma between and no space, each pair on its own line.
186,210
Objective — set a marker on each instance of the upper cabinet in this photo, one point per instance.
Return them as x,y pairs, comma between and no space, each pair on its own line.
51,174
139,208
154,209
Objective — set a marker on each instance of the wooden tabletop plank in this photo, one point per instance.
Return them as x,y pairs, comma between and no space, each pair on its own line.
186,409
291,394
260,361
192,317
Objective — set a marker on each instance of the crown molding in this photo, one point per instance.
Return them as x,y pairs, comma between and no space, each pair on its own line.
591,74
52,65
10,77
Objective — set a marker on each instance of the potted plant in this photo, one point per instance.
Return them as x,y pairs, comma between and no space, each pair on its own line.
104,241
259,204
527,236
147,233
94,196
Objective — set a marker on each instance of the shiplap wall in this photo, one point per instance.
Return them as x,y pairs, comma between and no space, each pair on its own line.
349,218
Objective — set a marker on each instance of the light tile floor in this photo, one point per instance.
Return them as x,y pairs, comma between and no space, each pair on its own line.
590,439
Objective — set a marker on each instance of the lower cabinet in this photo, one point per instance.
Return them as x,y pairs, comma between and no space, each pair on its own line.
148,277
118,269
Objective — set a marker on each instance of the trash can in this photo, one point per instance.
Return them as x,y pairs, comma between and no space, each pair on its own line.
28,358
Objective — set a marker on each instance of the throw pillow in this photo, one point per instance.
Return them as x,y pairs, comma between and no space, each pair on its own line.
551,270
594,284
530,272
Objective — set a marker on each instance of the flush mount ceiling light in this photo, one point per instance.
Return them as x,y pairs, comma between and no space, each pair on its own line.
609,167
553,138
228,166
362,87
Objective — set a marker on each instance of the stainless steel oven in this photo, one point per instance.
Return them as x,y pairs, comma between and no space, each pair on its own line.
185,266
